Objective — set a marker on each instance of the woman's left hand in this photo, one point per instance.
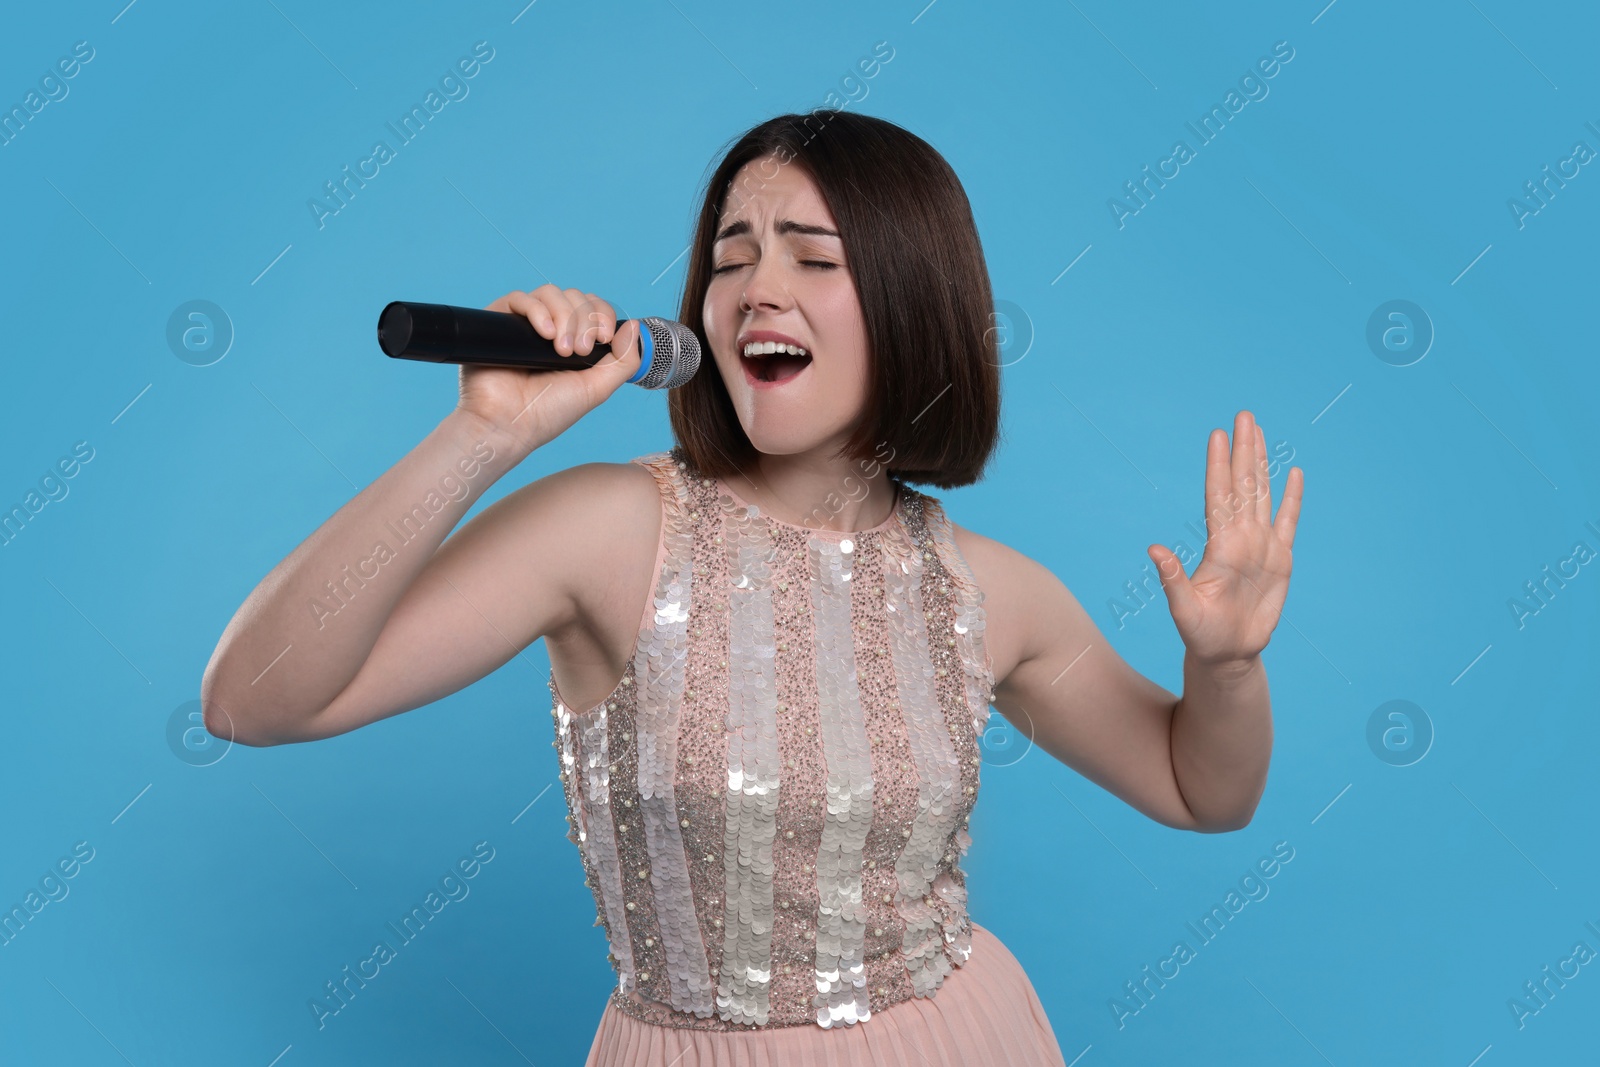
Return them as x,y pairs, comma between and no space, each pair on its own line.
1227,611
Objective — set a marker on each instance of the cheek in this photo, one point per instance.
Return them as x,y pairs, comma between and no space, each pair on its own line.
847,337
852,372
715,321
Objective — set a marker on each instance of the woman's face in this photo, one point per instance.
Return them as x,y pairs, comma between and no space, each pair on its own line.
779,268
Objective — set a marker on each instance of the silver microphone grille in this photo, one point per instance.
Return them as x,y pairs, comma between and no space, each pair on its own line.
675,353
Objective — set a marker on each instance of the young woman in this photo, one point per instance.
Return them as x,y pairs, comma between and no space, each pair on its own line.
772,659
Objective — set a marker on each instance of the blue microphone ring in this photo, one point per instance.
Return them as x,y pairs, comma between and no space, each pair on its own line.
646,354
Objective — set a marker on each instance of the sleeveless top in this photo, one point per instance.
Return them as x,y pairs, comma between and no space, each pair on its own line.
771,805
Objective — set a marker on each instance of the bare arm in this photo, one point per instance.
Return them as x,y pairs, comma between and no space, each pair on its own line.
307,627
370,616
1061,683
1222,739
1199,763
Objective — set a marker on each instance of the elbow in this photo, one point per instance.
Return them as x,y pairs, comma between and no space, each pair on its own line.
1224,824
226,726
1210,818
224,718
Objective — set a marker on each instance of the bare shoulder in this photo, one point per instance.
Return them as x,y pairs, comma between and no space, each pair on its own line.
606,515
1020,596
999,569
606,493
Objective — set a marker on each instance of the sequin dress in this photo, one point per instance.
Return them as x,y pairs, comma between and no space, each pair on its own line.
772,804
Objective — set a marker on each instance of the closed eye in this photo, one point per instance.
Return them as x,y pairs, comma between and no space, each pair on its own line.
823,264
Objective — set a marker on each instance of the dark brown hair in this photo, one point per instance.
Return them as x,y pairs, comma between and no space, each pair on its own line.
933,402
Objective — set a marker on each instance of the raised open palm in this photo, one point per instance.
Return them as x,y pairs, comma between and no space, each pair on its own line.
1226,611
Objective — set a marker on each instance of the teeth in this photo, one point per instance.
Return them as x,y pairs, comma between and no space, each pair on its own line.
768,348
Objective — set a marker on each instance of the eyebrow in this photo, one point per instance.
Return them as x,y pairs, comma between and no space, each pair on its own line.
734,229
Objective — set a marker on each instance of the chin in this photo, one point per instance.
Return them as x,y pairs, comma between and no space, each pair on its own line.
782,421
783,441
790,433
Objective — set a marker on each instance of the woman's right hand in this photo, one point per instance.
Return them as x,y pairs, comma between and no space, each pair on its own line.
533,407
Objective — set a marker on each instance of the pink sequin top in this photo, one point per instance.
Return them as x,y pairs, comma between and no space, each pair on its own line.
772,804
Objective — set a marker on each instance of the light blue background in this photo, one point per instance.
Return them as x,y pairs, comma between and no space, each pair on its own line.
221,898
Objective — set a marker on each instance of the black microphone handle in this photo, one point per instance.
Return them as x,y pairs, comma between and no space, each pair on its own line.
443,333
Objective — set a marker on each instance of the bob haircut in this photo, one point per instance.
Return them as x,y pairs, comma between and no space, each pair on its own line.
932,409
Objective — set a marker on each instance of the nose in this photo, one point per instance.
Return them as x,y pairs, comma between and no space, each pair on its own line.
765,289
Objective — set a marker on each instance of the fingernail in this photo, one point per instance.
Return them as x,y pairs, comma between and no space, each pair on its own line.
566,339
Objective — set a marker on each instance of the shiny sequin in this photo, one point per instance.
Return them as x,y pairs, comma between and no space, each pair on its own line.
753,770
771,805
584,763
841,925
659,665
935,761
966,625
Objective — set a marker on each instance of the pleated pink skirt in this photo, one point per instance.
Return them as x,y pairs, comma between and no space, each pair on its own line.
986,1012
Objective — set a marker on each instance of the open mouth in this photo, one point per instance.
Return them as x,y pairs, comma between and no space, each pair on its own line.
769,364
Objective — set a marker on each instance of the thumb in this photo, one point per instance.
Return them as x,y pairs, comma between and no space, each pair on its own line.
1181,597
622,362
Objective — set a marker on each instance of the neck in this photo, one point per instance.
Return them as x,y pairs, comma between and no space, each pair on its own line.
822,492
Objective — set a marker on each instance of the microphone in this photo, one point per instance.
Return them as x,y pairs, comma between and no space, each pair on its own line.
441,333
